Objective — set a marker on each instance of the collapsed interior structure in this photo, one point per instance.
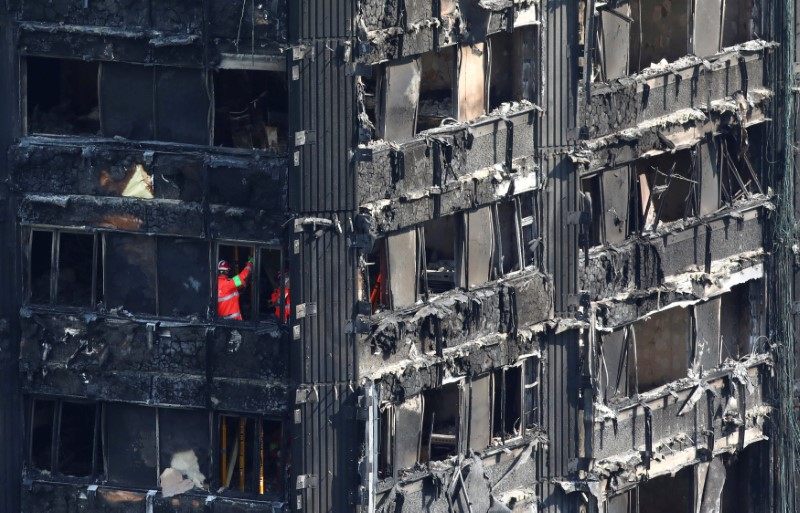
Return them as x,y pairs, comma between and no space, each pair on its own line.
508,255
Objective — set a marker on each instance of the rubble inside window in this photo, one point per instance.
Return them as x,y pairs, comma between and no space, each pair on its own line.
442,256
512,67
250,455
61,96
441,423
251,109
438,78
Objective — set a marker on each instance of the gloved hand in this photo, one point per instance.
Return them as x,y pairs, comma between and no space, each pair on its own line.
251,260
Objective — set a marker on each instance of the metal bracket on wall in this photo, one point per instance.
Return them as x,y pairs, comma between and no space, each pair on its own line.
305,309
301,52
305,394
304,137
306,481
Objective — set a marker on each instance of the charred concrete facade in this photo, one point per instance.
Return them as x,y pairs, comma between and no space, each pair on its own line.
529,255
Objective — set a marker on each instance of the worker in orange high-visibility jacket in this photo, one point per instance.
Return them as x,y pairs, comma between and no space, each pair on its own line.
276,296
228,289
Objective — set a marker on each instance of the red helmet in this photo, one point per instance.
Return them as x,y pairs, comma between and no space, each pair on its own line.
223,266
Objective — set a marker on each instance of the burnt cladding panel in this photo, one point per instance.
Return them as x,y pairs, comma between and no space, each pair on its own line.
561,230
327,280
560,71
320,19
331,423
560,403
322,106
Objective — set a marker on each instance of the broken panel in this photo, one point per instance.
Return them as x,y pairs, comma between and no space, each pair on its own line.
402,268
183,443
471,98
43,421
592,189
399,91
182,105
508,255
708,158
615,202
739,179
251,109
614,370
479,246
480,413
121,113
386,431
131,445
531,392
130,272
661,348
613,40
707,27
79,448
441,424
530,222
61,96
183,273
706,335
436,98
408,430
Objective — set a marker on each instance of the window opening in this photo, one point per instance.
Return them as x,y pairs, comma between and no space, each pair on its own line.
62,96
440,236
507,403
667,494
251,109
76,257
663,36
386,442
42,423
531,392
131,445
436,88
78,448
131,277
662,344
378,277
738,178
667,188
530,222
512,66
183,443
41,258
183,287
441,423
250,451
509,229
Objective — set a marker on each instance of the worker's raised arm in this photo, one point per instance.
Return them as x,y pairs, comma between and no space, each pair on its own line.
240,280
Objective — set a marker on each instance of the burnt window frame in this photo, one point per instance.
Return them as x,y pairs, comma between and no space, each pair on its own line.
27,232
257,295
98,471
526,232
215,481
157,304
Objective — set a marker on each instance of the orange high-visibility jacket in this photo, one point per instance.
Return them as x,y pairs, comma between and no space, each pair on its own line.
228,294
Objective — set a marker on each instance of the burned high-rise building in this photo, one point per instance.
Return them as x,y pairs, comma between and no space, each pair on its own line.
398,256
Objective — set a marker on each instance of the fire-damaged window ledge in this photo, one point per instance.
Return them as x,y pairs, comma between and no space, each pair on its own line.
688,83
497,149
383,36
101,495
410,479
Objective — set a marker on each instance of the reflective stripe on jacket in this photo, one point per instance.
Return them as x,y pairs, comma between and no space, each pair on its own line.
228,294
